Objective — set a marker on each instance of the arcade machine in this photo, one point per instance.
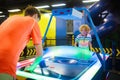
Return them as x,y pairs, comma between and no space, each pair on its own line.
65,62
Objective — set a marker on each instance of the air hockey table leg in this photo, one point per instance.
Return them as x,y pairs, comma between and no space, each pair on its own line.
42,65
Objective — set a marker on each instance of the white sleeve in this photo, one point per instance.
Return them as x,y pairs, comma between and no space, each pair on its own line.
90,38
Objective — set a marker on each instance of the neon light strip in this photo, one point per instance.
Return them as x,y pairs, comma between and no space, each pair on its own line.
2,15
34,76
1,12
91,71
56,5
89,1
14,10
45,6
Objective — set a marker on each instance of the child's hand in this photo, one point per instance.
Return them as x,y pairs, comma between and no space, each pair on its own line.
34,65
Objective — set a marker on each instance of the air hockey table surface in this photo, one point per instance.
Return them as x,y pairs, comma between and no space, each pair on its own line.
64,68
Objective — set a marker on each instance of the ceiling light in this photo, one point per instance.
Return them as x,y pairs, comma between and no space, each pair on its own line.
45,6
105,20
89,1
2,15
14,10
1,12
57,5
101,28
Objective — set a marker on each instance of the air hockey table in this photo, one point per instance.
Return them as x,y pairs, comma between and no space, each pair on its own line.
62,64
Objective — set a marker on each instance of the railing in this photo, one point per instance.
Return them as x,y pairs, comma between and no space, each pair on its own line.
62,41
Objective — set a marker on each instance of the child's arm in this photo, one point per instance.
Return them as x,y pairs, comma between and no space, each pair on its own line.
75,44
76,41
90,45
38,58
90,42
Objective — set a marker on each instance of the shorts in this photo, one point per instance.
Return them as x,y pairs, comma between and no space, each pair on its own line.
4,76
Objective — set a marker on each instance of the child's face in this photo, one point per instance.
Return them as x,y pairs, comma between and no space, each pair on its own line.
84,32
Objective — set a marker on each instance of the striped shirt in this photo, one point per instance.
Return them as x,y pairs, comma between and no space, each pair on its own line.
83,41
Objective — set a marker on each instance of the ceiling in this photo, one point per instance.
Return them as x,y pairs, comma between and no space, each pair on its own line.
21,4
6,5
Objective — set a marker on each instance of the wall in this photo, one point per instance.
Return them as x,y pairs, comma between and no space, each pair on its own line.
76,25
60,31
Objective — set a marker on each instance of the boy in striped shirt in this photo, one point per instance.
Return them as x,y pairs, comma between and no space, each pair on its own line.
83,41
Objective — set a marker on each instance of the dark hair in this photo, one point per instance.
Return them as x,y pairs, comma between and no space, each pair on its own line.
30,11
